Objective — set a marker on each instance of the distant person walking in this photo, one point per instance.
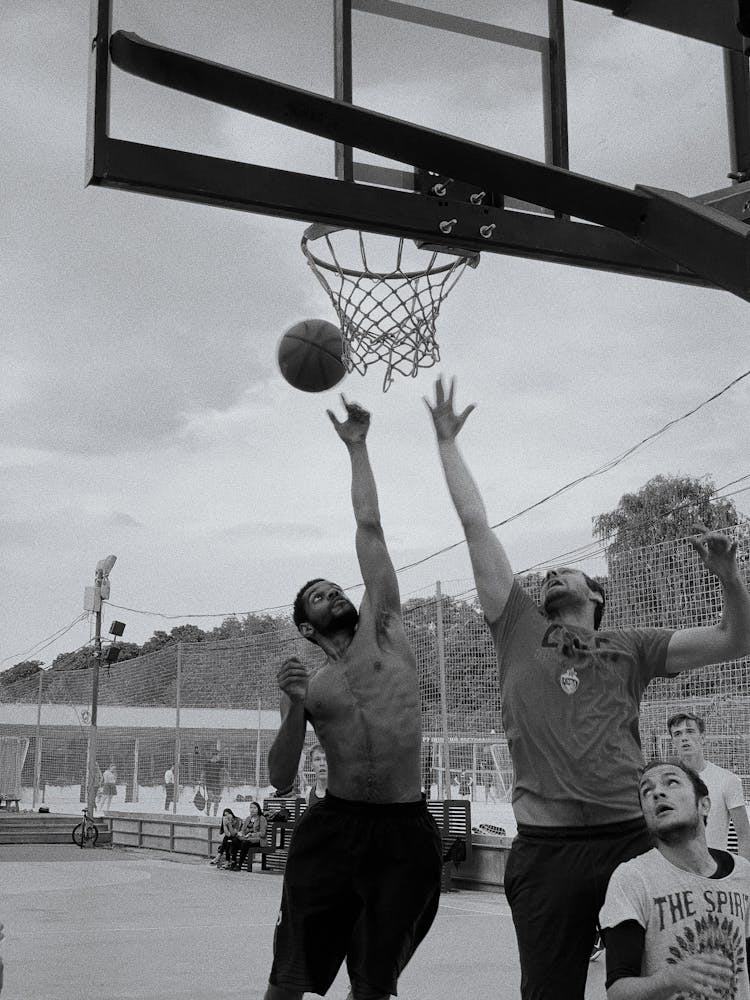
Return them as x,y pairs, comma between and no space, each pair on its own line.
213,779
168,787
109,787
724,788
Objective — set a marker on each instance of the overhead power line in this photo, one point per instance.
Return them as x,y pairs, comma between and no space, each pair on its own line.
598,471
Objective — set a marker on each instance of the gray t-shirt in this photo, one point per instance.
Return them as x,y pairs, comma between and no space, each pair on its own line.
570,705
683,913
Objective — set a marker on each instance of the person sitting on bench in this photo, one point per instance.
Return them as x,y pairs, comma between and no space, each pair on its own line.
251,837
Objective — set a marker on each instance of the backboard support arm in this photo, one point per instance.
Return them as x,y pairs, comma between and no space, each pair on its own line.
663,221
725,23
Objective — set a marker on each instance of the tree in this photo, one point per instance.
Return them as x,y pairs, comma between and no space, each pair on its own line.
20,671
79,659
654,576
250,625
665,509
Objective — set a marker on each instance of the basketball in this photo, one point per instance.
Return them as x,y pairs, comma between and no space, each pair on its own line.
310,355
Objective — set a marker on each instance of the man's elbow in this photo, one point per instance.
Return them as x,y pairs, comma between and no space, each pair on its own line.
281,780
279,773
736,643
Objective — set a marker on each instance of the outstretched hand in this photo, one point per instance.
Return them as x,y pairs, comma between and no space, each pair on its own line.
356,425
447,422
718,553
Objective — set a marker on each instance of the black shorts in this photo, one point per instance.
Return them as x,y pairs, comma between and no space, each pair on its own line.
362,883
555,882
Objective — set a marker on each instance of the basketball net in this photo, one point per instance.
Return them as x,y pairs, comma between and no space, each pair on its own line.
386,314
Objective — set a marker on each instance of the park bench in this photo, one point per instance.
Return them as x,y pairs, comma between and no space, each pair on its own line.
453,817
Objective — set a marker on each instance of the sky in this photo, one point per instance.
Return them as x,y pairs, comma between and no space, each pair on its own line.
143,413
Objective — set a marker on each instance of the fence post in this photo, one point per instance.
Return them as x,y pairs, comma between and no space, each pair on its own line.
136,763
443,696
257,756
38,745
176,764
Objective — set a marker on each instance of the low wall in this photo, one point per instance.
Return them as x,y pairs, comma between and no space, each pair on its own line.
199,836
486,869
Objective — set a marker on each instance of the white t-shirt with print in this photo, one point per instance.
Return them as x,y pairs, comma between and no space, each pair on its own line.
683,913
725,791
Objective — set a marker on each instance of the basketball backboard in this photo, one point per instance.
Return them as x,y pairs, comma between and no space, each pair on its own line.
454,131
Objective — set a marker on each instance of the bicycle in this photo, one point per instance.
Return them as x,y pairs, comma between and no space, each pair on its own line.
85,832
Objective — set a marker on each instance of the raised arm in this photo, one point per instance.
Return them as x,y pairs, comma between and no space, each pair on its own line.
375,564
493,574
283,757
730,639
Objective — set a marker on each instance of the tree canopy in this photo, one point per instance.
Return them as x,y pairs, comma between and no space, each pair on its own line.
664,509
21,671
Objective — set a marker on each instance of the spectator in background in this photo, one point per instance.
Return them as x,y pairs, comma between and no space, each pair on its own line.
427,771
109,787
724,788
251,836
213,779
230,828
465,782
168,787
488,779
319,765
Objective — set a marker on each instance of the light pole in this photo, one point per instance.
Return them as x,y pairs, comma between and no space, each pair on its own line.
100,593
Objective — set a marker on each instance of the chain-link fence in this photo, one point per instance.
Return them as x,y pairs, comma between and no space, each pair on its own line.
208,711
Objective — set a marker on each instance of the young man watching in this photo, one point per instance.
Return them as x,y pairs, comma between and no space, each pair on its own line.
676,919
362,878
724,788
570,704
319,766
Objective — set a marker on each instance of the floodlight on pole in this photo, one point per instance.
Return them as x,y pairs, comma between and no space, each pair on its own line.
101,593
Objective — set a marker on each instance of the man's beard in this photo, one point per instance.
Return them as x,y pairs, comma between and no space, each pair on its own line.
346,621
554,602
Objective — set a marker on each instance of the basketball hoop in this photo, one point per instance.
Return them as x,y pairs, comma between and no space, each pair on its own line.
387,313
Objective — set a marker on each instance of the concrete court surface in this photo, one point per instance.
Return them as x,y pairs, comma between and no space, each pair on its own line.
114,924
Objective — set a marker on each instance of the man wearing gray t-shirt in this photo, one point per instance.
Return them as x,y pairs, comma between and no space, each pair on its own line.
570,702
676,919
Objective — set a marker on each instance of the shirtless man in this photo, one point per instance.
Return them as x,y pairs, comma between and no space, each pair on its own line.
362,879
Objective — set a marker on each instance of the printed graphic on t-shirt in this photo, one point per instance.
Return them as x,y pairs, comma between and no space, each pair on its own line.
573,651
584,649
718,931
684,915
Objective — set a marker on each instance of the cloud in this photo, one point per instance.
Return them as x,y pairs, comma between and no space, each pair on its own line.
264,531
117,519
